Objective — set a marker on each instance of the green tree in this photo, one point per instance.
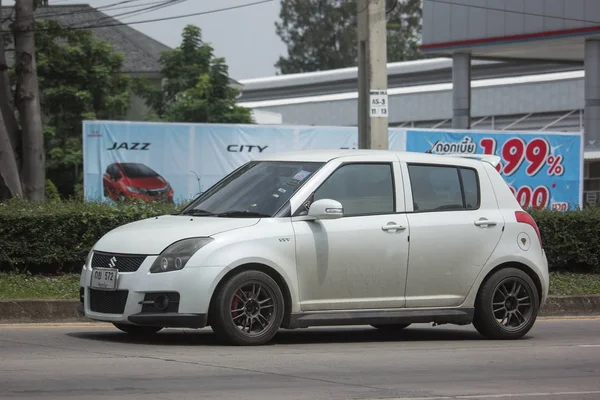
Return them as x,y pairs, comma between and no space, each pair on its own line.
321,34
196,88
80,78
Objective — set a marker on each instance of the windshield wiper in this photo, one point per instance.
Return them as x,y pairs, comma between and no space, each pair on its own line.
197,213
249,214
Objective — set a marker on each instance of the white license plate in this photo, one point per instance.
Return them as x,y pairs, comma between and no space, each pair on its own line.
104,278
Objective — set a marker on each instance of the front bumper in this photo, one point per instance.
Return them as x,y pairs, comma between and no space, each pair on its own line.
171,320
135,299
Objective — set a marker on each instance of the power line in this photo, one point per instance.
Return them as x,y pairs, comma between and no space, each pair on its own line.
150,8
510,11
111,7
215,11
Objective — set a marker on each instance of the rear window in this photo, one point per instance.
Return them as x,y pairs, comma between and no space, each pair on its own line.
444,188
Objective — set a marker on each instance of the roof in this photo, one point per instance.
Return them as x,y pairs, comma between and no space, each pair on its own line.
403,74
328,155
141,52
437,87
527,30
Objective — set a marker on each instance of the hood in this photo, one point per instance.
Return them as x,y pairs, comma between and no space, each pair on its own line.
153,182
153,235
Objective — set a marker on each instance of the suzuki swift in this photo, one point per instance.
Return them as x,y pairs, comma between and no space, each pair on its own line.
349,237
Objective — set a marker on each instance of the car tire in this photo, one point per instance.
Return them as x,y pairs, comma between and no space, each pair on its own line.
391,327
511,295
138,330
239,306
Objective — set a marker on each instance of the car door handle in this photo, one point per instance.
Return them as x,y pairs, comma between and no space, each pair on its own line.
485,222
393,227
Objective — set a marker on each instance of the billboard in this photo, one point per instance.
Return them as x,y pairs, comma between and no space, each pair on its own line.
543,170
174,162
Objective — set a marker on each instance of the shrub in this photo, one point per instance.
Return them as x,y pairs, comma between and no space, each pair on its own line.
57,235
571,239
51,190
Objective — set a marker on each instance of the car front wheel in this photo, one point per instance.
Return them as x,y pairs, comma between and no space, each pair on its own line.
507,305
248,309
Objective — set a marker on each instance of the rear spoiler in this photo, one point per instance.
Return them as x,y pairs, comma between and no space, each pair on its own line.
488,158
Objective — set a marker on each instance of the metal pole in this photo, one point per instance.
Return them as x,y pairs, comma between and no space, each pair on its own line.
372,75
591,114
461,91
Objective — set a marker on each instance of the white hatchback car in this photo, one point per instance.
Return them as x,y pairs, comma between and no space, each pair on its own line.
311,238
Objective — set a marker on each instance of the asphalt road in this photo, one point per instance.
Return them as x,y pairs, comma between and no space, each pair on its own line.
559,360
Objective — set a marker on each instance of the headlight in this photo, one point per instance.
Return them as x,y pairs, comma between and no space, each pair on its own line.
176,256
134,189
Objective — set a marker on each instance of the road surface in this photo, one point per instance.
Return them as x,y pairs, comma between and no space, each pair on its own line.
558,360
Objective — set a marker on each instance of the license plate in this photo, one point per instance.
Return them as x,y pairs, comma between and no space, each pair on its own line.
104,278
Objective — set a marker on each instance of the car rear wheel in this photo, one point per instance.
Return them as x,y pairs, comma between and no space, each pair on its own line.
138,330
507,305
391,327
248,309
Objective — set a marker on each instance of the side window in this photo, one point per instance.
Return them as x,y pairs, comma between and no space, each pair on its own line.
471,188
443,188
361,188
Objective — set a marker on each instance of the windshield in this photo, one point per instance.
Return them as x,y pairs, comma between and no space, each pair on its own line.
256,189
137,171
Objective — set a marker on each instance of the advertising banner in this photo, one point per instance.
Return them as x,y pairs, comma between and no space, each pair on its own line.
175,162
543,170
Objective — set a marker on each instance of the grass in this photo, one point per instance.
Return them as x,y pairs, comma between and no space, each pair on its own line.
23,286
567,283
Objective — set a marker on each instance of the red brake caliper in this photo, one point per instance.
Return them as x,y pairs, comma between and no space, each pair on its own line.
234,305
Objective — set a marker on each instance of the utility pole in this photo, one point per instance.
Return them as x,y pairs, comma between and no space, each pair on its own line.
372,75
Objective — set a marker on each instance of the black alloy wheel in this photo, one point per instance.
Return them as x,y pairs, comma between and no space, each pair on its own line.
248,309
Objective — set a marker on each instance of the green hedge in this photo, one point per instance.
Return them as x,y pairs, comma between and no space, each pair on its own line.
56,236
571,239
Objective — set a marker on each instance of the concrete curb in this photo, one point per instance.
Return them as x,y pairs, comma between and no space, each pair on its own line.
32,311
28,311
571,306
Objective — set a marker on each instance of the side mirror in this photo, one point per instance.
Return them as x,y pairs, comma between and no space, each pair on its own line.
326,209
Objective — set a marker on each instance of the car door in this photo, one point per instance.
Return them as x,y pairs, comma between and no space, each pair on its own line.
360,260
455,225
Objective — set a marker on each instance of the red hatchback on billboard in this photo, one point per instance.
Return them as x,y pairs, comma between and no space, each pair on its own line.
135,181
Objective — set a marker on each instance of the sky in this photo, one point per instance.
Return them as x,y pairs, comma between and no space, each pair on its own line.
245,37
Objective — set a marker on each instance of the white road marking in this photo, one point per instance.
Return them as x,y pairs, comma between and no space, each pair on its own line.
497,396
589,345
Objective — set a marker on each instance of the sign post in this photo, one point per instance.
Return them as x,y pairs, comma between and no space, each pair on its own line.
372,75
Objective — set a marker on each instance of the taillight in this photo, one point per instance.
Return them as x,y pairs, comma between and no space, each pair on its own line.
525,218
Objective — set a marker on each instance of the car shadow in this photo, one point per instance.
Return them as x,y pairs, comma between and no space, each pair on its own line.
335,335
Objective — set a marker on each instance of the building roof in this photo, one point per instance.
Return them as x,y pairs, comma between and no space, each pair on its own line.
141,52
402,74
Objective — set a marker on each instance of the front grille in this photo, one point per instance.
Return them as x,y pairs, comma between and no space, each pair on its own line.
108,302
121,262
157,192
